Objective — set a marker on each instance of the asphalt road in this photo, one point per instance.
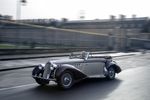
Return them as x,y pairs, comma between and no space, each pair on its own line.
131,84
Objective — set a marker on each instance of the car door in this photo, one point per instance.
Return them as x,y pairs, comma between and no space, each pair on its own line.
93,67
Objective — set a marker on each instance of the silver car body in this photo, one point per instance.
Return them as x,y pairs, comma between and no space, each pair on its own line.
84,65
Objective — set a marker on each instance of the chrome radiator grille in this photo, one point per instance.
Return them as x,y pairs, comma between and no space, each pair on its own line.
47,71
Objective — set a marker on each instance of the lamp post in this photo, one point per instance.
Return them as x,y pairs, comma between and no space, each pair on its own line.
19,4
18,17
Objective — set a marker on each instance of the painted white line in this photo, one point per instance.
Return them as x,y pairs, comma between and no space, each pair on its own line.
15,87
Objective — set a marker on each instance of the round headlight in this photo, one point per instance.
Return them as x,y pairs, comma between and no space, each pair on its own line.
40,67
52,68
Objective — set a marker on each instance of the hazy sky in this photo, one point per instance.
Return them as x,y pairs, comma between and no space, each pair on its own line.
71,9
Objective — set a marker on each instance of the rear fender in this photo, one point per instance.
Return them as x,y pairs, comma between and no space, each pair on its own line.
115,66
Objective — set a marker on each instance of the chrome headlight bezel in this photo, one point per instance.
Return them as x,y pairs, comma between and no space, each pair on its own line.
53,66
41,66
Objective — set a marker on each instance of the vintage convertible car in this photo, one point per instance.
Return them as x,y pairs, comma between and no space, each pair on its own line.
66,72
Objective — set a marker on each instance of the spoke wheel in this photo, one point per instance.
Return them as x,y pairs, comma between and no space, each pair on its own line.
38,72
42,82
66,80
111,73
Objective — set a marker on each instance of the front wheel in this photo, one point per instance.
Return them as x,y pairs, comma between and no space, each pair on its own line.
65,80
42,82
111,73
37,71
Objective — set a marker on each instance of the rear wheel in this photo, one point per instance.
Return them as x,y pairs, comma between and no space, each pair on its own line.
65,80
111,73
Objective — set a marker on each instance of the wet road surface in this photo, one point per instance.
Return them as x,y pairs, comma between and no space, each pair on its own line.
131,84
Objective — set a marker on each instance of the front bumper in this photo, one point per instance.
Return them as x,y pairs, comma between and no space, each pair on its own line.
42,78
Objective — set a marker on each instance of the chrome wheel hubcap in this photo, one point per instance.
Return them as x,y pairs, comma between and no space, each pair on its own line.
111,72
66,79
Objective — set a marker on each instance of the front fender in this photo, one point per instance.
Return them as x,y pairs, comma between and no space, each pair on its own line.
37,70
77,74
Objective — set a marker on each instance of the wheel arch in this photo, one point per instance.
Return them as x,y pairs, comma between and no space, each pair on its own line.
116,67
77,74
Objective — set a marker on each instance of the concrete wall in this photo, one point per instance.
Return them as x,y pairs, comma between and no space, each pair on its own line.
39,35
51,36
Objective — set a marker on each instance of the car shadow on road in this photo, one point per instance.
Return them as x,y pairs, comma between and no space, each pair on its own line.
89,89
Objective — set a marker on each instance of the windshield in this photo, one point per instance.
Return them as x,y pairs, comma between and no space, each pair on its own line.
81,55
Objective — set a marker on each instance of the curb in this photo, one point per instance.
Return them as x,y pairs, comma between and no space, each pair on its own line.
124,55
16,68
